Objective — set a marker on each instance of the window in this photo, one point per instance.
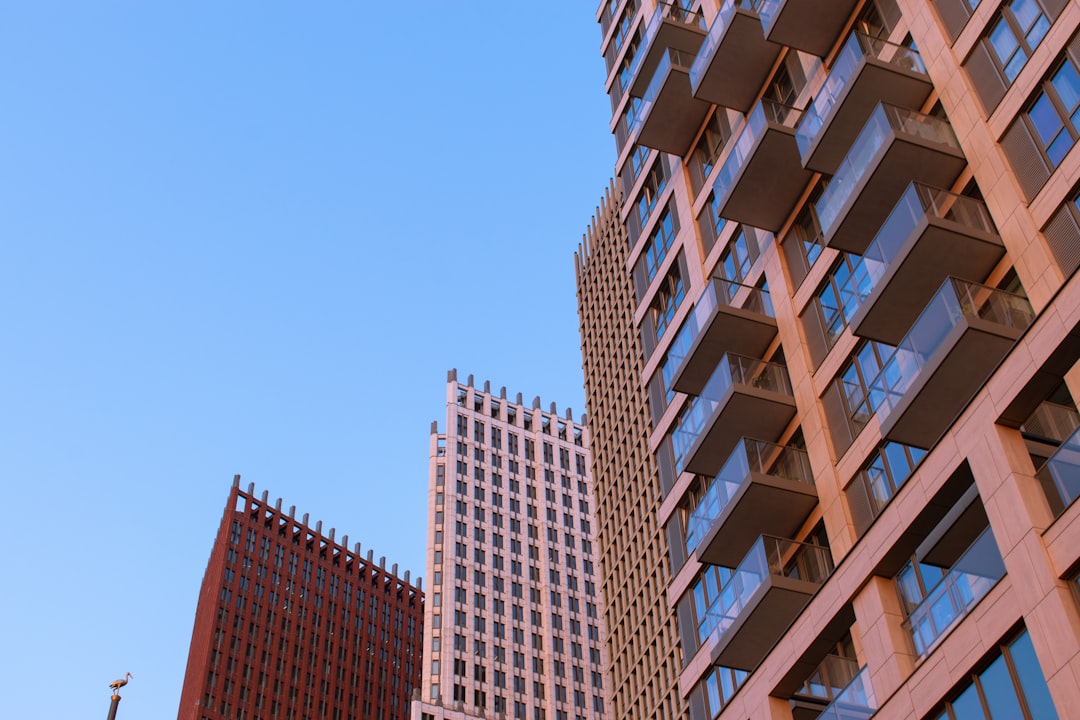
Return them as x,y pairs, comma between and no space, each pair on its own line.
1012,686
739,256
668,298
661,240
654,184
856,378
1055,113
841,293
1017,33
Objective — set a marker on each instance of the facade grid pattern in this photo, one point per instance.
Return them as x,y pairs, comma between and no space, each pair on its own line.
292,625
850,281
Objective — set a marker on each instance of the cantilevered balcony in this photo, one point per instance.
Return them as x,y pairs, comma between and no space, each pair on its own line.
825,684
807,25
762,488
867,71
762,178
670,26
744,396
735,59
855,702
728,317
668,116
761,598
895,148
950,351
1060,476
958,590
930,235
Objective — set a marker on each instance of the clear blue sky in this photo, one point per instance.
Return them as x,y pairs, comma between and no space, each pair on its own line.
251,237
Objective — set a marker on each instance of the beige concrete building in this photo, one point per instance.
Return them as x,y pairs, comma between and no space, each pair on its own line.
642,634
853,229
514,609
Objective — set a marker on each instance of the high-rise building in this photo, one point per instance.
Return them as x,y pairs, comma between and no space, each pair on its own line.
642,633
853,230
514,618
292,624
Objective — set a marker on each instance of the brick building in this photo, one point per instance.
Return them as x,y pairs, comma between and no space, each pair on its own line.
293,625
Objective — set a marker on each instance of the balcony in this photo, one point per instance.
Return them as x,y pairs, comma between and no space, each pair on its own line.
735,40
867,71
807,25
930,235
957,341
855,702
959,589
763,177
761,598
825,684
743,396
670,26
762,488
1060,476
728,317
895,147
668,116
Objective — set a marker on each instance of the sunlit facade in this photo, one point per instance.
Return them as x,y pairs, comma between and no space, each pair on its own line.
852,234
514,613
643,638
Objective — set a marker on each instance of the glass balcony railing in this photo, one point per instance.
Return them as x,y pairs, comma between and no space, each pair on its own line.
829,678
664,11
731,370
855,50
757,123
919,202
715,36
770,556
1060,476
750,456
1052,422
966,582
672,58
718,292
855,702
883,122
956,301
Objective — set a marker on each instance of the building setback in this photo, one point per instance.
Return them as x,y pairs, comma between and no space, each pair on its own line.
514,622
853,230
642,632
293,625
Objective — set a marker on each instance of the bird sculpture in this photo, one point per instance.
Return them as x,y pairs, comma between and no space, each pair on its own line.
117,684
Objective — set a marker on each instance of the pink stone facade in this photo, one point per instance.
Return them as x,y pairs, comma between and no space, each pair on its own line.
854,268
514,608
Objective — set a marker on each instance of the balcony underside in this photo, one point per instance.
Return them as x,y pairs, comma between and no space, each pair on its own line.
769,183
744,410
764,619
809,25
937,249
951,377
672,122
739,66
729,329
670,34
874,81
763,504
898,162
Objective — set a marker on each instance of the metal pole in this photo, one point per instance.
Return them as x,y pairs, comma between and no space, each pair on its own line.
112,707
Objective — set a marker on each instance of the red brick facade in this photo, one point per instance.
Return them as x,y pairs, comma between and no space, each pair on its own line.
292,625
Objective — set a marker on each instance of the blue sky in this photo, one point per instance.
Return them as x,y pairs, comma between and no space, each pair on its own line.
232,237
